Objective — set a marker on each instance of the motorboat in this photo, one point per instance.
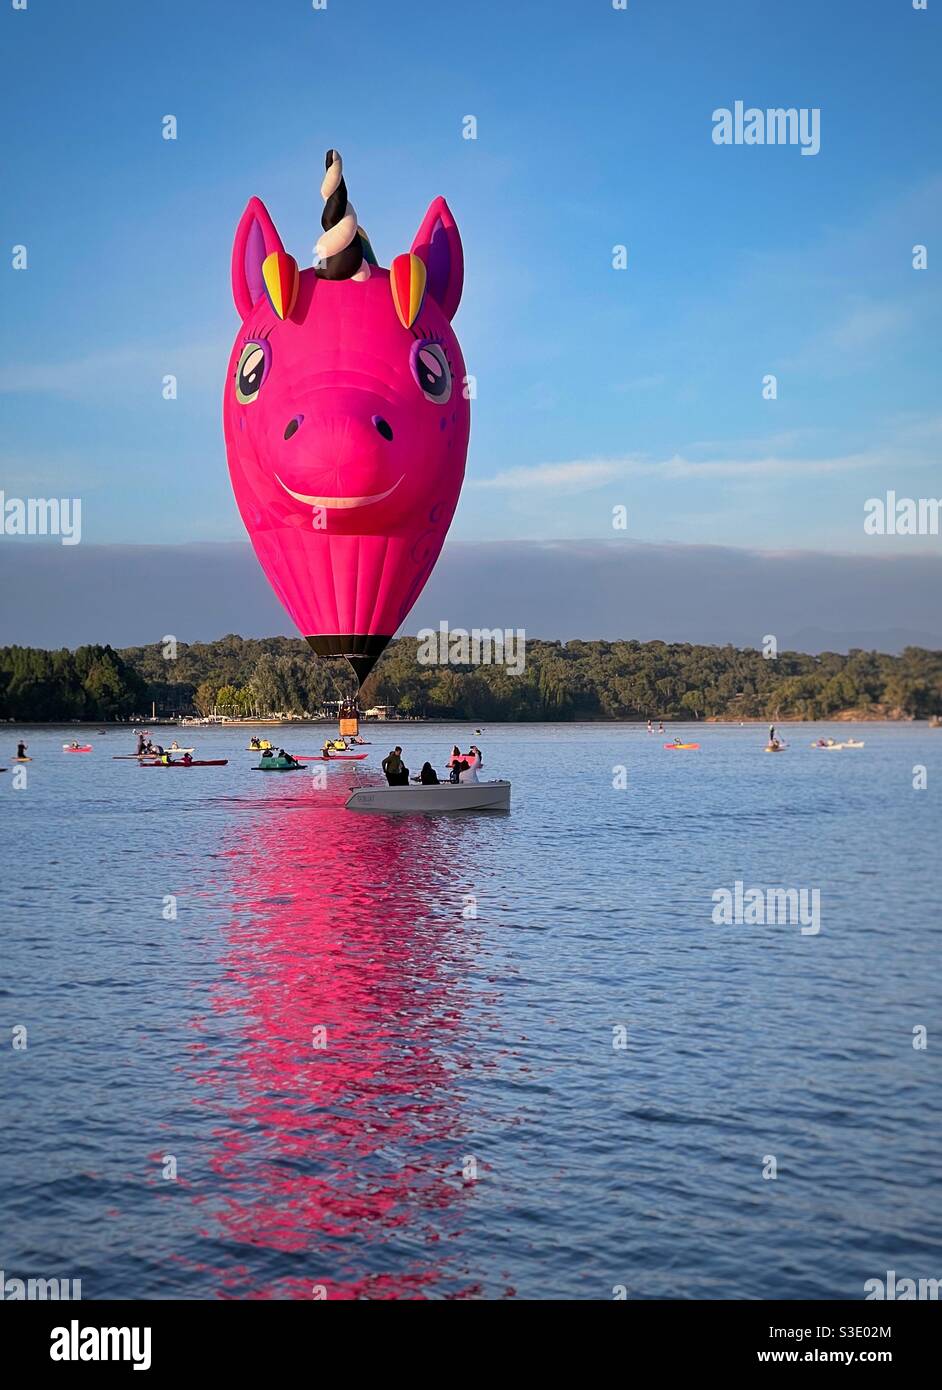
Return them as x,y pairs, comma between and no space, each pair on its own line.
445,796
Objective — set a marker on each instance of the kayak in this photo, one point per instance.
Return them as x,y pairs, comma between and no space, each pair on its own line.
259,747
135,757
85,748
854,743
202,762
681,745
446,796
278,765
330,758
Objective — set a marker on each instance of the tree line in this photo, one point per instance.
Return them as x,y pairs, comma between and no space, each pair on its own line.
88,683
560,681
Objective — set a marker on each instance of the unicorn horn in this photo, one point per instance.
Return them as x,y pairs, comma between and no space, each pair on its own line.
340,250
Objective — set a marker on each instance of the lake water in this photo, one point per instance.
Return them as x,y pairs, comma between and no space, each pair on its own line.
472,1056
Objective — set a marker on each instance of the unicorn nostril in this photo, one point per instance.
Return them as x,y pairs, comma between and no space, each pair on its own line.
293,426
383,426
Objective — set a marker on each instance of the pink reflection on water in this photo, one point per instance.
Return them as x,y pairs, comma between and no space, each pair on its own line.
344,1158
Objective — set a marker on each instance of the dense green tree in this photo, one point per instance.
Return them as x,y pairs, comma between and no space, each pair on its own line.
575,680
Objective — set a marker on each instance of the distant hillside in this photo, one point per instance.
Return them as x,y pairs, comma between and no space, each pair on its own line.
574,680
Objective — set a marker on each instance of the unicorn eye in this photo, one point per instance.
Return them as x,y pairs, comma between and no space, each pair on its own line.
254,362
431,370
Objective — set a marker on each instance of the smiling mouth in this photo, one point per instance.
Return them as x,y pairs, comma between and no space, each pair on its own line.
338,502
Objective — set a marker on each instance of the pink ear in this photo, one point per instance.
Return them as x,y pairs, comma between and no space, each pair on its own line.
255,239
438,244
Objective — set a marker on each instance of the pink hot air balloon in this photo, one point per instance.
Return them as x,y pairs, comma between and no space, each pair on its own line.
347,419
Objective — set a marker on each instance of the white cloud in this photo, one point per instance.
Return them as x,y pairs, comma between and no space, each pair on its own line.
196,366
869,324
580,474
557,477
769,465
642,383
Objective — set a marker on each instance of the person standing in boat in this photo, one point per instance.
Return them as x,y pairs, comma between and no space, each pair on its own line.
473,762
397,774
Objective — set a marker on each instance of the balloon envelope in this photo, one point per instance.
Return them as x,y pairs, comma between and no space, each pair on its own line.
346,421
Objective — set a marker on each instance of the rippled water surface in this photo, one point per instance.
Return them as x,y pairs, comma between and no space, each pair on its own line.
382,1052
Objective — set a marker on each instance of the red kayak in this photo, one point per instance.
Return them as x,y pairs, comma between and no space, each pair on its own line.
333,758
197,762
85,748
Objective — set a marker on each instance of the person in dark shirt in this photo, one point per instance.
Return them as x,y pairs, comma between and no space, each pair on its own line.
397,774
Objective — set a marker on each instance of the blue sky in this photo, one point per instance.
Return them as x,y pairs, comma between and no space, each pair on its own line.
596,387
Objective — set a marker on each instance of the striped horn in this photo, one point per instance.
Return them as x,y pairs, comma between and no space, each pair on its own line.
340,249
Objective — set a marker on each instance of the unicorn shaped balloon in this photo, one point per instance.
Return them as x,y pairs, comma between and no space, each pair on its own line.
346,418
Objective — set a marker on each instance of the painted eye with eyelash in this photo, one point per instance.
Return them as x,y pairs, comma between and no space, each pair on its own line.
254,362
431,371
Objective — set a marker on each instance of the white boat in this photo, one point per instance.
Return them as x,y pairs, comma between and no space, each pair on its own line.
446,796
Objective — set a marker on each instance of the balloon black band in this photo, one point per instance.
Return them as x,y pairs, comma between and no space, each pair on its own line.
361,649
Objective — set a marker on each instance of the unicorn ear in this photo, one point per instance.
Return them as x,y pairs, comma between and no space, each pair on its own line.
260,264
438,244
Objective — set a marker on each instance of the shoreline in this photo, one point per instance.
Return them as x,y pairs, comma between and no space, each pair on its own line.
713,722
